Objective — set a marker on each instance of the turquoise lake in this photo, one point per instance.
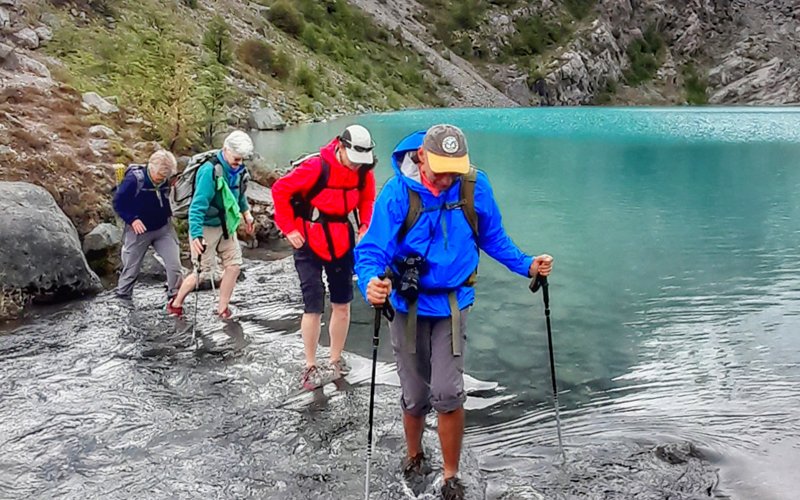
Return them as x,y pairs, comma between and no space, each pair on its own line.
675,295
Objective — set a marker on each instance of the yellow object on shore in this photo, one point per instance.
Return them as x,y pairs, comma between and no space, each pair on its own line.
119,172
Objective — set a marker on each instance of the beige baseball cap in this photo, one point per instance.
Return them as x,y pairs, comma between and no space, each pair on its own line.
446,149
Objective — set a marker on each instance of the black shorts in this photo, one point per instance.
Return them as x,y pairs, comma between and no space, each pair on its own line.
340,279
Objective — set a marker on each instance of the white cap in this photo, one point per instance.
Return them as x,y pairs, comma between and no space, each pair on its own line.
358,145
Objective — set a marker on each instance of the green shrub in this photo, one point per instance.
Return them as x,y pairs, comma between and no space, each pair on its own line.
355,90
694,86
535,35
307,80
467,14
606,93
257,54
286,18
644,55
311,38
579,8
282,66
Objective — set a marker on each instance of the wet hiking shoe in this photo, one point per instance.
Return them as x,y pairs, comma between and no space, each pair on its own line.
226,314
313,377
174,311
452,489
415,469
340,367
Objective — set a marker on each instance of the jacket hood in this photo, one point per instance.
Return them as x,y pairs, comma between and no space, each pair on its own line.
328,153
405,168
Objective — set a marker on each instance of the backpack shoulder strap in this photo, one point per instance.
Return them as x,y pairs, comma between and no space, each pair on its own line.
321,182
414,211
138,173
362,176
468,196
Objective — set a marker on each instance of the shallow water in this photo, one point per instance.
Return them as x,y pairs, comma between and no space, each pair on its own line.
105,399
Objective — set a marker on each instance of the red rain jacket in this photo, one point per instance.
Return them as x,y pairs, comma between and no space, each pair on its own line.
337,199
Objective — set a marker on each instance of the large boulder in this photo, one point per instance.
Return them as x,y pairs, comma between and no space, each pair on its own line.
103,239
266,119
41,254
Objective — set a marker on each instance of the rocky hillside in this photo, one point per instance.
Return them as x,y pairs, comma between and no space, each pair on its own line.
577,52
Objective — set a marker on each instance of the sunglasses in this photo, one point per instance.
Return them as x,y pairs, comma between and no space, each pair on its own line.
360,149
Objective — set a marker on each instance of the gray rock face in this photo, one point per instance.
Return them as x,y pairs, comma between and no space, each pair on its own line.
101,132
93,100
266,119
5,18
42,253
104,238
31,65
44,33
27,38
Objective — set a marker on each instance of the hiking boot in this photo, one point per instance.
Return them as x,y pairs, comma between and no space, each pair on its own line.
313,378
340,367
452,489
174,311
416,468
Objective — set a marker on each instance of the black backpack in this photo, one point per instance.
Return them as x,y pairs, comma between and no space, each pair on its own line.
302,203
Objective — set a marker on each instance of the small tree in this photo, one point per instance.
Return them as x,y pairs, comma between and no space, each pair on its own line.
217,40
213,94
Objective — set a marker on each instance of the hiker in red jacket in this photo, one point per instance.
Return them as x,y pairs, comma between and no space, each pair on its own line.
313,207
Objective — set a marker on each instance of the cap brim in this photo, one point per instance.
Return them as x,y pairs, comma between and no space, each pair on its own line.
364,158
448,164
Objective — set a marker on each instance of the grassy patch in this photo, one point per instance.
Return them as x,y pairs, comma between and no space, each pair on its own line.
142,62
535,35
355,45
606,94
694,86
579,9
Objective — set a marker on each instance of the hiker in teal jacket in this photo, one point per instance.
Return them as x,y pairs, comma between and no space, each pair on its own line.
217,208
433,264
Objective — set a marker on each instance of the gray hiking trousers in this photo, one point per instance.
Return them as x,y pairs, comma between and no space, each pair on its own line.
134,247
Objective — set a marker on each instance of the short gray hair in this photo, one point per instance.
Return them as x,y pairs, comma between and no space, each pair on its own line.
239,143
163,163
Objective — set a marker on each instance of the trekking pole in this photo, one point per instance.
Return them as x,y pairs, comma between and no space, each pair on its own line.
387,310
541,281
196,295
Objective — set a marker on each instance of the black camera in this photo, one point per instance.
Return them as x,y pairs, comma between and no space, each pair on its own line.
410,268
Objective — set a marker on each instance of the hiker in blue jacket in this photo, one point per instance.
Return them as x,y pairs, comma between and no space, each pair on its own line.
142,201
433,263
212,228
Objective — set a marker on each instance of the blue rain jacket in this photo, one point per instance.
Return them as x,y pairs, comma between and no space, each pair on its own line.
441,235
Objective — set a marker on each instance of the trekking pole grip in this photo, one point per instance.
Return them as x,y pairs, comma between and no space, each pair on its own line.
537,282
386,308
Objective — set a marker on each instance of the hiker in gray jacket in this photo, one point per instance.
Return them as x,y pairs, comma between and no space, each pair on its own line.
142,201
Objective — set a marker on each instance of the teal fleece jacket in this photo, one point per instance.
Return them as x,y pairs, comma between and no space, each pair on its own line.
205,209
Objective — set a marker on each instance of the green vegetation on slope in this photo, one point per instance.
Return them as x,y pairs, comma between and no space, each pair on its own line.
645,55
180,70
